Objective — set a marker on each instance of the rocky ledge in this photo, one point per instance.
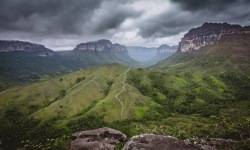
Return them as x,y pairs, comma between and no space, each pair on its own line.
156,142
207,34
107,138
98,139
21,46
102,45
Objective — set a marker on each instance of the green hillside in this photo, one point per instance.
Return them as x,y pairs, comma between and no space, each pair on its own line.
18,68
200,94
231,50
24,67
89,58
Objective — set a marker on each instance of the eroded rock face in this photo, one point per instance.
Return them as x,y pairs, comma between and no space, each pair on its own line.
167,49
102,45
156,142
98,139
209,33
36,49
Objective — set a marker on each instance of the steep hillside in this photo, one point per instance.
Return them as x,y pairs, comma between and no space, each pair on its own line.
230,51
98,53
24,62
101,92
35,49
208,34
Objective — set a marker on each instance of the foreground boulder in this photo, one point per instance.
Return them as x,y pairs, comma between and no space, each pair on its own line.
156,142
98,139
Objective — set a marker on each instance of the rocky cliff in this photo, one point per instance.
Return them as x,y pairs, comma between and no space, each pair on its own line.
166,49
36,49
209,33
102,45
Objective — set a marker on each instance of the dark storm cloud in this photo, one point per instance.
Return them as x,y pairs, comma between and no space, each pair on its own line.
64,23
212,5
166,24
60,16
111,15
45,15
188,14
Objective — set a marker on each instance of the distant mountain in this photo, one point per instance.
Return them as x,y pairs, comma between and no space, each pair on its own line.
152,55
102,45
212,44
22,62
163,49
99,53
162,52
20,46
142,54
209,33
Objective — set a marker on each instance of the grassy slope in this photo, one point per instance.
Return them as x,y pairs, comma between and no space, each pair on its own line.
221,70
231,50
100,86
22,67
91,58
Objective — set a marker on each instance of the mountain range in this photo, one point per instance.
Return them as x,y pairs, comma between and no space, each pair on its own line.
201,91
23,62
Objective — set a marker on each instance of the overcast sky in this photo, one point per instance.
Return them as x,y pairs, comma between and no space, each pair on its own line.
62,24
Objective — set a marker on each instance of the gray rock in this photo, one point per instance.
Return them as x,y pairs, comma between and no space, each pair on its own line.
98,139
156,142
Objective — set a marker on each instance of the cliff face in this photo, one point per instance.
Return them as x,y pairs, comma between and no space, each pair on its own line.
166,49
102,45
209,33
36,49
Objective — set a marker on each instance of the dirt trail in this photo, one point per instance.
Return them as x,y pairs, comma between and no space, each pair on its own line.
123,88
7,90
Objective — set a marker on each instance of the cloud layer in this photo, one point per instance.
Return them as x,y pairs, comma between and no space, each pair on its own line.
61,24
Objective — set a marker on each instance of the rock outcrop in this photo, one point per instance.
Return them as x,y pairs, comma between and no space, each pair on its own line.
156,142
209,33
36,49
166,49
106,139
102,45
98,139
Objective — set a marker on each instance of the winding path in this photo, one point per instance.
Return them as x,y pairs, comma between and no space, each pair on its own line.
123,88
8,90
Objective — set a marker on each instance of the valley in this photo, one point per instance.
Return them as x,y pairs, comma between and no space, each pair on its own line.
149,56
200,91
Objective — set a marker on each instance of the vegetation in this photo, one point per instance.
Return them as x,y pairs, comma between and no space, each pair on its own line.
18,68
203,95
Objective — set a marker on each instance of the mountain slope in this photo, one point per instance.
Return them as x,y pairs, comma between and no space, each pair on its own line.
231,50
89,58
23,62
70,94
